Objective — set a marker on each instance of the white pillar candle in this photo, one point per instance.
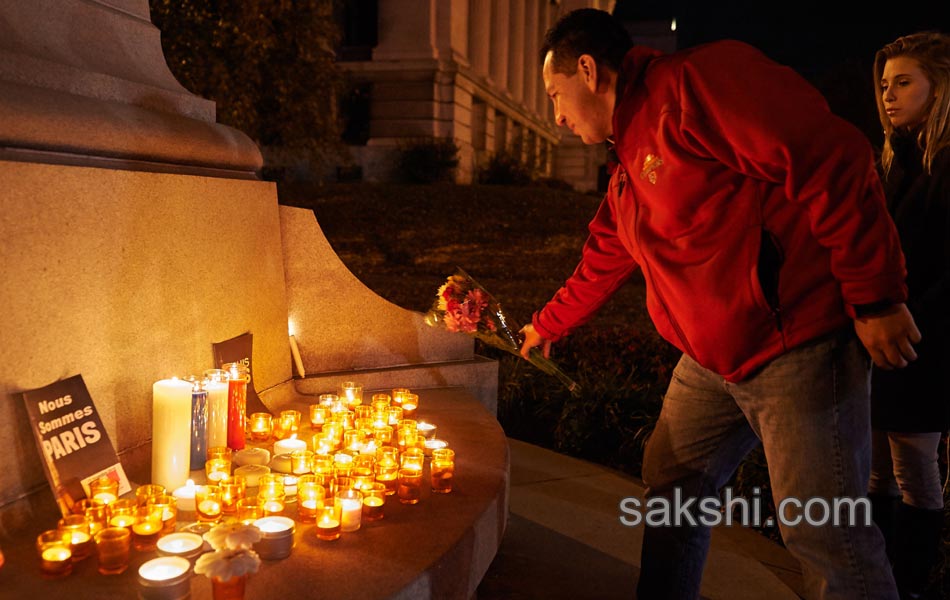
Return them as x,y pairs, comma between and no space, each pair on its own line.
171,432
185,496
252,474
217,411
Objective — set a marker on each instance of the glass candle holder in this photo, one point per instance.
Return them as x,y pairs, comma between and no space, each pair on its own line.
406,434
393,415
80,538
249,510
104,489
165,578
232,490
362,476
112,550
97,515
363,411
310,496
56,558
277,537
144,493
374,499
380,402
409,489
208,503
365,460
318,416
399,395
218,465
122,513
169,507
270,494
287,424
387,467
352,441
351,509
352,393
301,461
329,522
147,527
383,436
409,405
412,458
261,426
442,470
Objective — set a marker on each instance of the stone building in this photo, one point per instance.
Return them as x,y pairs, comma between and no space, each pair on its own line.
466,70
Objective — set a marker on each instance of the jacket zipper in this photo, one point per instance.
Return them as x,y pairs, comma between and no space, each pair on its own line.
647,270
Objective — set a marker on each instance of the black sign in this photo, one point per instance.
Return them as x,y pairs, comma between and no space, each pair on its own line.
238,349
71,440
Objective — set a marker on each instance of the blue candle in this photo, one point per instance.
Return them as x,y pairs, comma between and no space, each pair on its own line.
199,426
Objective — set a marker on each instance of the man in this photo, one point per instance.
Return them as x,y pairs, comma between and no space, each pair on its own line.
760,227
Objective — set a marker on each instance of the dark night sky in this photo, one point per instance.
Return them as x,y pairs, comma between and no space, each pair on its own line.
833,50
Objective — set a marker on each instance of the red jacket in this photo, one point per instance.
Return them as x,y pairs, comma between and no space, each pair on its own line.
755,213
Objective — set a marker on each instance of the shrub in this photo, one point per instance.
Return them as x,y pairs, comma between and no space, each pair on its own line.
430,160
503,169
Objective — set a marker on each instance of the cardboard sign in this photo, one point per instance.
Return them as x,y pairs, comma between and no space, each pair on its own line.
238,349
72,442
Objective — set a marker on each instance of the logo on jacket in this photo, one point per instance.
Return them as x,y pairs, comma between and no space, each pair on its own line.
650,164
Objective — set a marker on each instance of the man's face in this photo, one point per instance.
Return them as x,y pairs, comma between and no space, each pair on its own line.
578,104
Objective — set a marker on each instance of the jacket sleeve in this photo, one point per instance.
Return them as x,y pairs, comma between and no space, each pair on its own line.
764,120
605,264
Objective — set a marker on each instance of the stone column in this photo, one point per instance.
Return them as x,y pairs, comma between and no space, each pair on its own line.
499,44
479,36
516,51
410,32
545,20
532,72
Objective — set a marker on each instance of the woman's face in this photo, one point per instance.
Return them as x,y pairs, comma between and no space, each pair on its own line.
906,92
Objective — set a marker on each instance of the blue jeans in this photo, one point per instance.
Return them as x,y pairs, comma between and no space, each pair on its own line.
810,410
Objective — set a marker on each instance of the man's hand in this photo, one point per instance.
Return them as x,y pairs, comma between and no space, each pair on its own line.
533,339
889,337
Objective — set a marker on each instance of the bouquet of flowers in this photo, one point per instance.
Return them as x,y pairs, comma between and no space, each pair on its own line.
463,305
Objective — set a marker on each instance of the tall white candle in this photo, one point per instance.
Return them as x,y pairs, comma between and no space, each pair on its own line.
171,432
217,412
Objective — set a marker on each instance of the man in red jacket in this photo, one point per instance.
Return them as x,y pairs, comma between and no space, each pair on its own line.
759,223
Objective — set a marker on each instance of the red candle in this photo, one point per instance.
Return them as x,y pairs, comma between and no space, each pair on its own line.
237,404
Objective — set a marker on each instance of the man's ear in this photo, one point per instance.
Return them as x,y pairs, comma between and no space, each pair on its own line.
587,69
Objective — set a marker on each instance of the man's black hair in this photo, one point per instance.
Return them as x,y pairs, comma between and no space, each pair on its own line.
586,31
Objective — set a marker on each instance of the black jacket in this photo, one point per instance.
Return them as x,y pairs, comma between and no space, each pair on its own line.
917,398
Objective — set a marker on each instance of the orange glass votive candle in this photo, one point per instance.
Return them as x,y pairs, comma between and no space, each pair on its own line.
383,436
112,550
442,470
249,510
122,513
362,476
380,402
232,489
318,416
287,424
97,515
208,503
329,522
409,488
218,465
310,496
409,405
271,494
363,411
412,458
169,507
394,414
80,538
399,395
374,499
147,527
301,462
104,489
352,393
261,426
56,558
144,492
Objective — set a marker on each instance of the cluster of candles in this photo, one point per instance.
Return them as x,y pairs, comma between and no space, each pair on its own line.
357,456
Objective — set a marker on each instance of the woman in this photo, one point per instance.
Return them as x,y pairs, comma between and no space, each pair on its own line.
911,406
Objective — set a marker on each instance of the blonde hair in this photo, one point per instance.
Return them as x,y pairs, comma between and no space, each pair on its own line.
931,50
